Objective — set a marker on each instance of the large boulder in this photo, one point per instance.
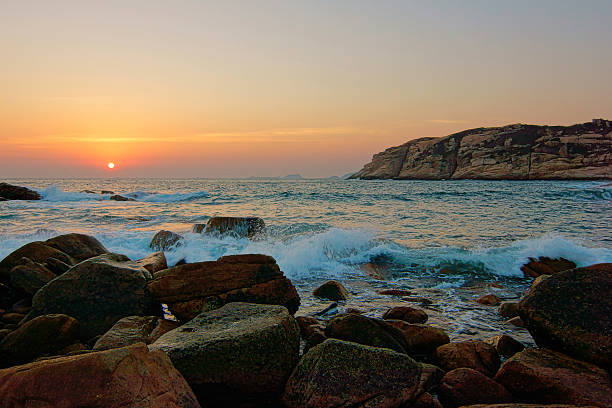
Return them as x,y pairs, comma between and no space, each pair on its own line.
464,386
191,288
237,352
420,338
38,337
126,377
30,276
366,330
548,377
246,227
78,246
165,240
35,251
546,266
134,329
97,292
331,290
477,355
572,312
343,374
11,192
154,263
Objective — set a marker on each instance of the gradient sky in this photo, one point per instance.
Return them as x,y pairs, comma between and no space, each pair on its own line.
269,88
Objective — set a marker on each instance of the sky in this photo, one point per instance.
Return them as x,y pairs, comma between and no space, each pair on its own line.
270,88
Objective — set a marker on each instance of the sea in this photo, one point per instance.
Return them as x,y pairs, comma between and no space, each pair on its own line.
449,242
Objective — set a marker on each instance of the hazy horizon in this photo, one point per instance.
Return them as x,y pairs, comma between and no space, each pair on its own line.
198,89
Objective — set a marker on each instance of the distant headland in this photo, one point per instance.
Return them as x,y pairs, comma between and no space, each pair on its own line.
513,152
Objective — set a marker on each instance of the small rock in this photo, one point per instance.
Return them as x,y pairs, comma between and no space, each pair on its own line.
505,345
154,263
516,321
118,197
546,266
198,228
246,227
508,309
465,386
331,290
489,300
317,336
165,240
421,339
405,313
367,331
134,329
477,355
304,322
107,192
30,276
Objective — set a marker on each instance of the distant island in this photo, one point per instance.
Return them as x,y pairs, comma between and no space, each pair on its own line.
513,152
293,177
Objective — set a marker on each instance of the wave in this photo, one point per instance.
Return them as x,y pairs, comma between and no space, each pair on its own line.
166,198
55,194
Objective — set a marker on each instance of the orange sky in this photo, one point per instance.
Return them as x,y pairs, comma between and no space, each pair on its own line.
201,89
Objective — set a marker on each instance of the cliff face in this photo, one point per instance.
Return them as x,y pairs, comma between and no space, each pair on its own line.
515,152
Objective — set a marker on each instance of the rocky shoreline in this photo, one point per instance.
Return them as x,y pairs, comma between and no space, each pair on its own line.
81,326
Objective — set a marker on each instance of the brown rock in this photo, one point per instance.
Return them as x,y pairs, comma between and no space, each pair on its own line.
317,336
304,322
134,329
126,377
546,266
331,290
36,252
107,192
548,377
405,313
30,276
165,240
508,310
366,330
247,227
154,263
395,292
56,266
118,197
489,300
516,321
505,345
464,386
11,192
40,336
421,339
426,400
572,312
538,280
78,246
198,228
13,318
188,289
477,355
431,376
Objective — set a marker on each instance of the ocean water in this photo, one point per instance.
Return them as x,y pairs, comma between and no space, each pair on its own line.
449,241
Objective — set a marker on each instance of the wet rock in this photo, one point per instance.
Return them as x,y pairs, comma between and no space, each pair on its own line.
40,336
118,197
505,345
572,312
317,336
35,251
126,377
489,300
331,290
165,240
87,191
78,246
546,266
11,192
421,339
154,263
464,386
516,321
395,292
508,309
188,289
304,322
477,355
367,331
332,309
405,313
30,276
246,227
97,292
107,192
337,373
548,377
56,266
426,400
239,351
134,329
198,228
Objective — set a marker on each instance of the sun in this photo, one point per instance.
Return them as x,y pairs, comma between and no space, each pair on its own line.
111,165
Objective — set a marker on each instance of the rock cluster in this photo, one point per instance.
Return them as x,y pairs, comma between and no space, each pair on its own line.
10,192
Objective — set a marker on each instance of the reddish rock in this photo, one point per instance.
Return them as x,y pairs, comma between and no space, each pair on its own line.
420,338
198,228
164,240
431,376
477,355
367,331
56,266
126,377
405,313
548,377
11,192
247,227
572,312
304,322
154,263
537,281
516,321
36,252
464,386
30,276
190,288
489,300
316,336
395,292
505,345
78,246
546,266
331,290
508,309
118,197
134,329
426,400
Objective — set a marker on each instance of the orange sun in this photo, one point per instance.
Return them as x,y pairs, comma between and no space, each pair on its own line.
111,165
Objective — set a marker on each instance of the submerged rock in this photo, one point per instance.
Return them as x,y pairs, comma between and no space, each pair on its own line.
134,329
465,386
546,266
572,312
165,240
342,374
331,290
366,330
477,355
126,377
246,227
11,192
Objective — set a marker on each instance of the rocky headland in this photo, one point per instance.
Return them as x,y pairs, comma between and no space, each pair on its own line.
513,152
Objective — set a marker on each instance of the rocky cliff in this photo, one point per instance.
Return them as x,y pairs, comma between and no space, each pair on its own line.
514,152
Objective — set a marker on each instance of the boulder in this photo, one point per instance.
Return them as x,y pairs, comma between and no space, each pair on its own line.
464,386
56,266
304,322
154,263
11,192
97,292
406,313
165,240
134,329
505,345
420,338
489,300
12,318
237,352
191,288
572,312
126,377
546,266
78,246
477,355
40,336
548,377
508,309
331,290
118,197
245,227
366,330
30,276
343,374
35,251
198,228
